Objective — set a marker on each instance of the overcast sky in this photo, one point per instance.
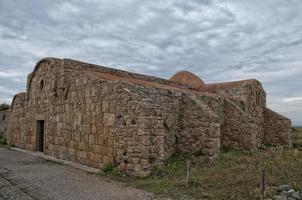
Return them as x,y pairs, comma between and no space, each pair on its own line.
217,40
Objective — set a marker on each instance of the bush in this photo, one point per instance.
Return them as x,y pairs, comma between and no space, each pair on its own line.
108,168
4,106
2,141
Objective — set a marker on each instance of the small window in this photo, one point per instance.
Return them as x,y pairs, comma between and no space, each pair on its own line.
3,117
41,84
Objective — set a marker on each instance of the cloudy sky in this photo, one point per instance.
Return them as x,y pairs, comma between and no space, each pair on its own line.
218,40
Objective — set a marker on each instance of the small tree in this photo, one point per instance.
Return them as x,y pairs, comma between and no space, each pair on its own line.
4,106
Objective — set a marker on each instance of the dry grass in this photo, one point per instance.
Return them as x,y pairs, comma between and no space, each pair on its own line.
235,175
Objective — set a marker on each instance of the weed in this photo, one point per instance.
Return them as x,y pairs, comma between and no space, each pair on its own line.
3,141
108,168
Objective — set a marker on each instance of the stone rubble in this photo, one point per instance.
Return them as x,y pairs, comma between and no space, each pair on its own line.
286,192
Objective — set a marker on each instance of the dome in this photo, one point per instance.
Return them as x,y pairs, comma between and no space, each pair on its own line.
187,78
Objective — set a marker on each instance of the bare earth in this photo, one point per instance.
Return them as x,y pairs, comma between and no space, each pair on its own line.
23,176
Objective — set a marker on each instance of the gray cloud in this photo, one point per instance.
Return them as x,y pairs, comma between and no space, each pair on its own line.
218,40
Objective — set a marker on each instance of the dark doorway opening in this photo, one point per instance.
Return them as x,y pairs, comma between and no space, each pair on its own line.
40,135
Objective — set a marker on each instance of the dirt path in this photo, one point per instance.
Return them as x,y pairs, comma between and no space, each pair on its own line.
23,176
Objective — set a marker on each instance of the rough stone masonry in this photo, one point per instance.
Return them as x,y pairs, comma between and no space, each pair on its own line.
99,116
3,116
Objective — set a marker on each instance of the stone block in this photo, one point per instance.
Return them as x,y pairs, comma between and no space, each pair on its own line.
92,139
109,119
106,107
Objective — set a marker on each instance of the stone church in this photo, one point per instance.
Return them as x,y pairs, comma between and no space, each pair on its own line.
99,116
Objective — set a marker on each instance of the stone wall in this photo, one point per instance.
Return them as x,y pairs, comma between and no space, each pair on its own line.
277,129
4,115
199,132
248,94
153,127
142,123
17,124
240,130
249,98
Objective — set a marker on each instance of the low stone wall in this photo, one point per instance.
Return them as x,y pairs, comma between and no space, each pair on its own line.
277,128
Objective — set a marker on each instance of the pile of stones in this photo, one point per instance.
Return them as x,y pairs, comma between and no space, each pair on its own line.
286,192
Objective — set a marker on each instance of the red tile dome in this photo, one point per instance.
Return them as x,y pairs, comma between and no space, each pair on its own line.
187,78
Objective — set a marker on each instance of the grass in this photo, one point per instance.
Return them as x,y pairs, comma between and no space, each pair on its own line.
108,168
2,141
235,175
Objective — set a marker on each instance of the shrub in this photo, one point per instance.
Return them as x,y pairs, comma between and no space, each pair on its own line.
2,141
108,168
4,106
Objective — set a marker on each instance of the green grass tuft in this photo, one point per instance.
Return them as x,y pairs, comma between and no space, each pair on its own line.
108,168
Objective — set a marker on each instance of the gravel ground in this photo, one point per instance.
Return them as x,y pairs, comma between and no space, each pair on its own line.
23,176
